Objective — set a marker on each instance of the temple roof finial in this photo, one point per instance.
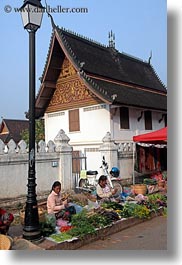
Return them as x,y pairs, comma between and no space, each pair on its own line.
111,39
150,57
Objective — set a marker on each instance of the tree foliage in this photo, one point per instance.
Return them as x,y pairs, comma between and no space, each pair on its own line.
39,132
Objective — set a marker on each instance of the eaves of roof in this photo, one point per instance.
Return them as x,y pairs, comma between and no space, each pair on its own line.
124,94
133,81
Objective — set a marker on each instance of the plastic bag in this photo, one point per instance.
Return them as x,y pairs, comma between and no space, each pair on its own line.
92,205
78,208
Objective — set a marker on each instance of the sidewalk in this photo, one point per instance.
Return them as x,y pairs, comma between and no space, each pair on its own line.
16,232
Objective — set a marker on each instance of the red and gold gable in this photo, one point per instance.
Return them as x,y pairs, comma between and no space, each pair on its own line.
70,91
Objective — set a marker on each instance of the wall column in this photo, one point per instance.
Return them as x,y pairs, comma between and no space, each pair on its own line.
110,150
65,160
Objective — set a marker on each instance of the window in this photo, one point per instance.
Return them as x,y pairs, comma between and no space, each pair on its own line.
148,120
124,118
74,120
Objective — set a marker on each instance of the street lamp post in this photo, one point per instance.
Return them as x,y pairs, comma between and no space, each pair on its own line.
31,12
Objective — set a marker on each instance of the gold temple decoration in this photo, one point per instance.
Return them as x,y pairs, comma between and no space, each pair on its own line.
70,91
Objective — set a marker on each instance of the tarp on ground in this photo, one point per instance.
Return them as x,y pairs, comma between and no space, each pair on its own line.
159,136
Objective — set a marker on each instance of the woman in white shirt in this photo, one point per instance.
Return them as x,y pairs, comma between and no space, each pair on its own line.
104,191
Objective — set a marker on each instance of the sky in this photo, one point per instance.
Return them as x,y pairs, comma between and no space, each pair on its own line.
140,26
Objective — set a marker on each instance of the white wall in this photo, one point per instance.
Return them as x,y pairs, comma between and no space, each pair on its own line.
52,162
135,127
94,124
14,174
53,123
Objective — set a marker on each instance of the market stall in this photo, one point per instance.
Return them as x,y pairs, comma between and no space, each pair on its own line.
151,152
156,137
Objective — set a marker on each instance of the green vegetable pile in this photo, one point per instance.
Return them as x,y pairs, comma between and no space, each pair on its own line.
149,181
46,229
61,237
48,226
86,222
112,205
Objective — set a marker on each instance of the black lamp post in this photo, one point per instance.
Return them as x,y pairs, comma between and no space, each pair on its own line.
31,12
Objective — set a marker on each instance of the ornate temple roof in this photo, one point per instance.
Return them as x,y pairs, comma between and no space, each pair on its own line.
115,77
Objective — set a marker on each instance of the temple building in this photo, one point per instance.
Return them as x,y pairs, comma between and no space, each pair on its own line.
88,89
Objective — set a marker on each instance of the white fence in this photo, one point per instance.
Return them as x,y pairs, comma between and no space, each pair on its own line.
14,166
53,162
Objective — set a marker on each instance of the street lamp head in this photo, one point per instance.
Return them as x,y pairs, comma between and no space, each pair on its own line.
32,13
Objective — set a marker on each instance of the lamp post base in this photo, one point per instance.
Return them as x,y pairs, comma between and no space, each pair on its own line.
34,236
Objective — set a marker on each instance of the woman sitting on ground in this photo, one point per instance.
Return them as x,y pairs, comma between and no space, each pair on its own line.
5,221
103,190
57,205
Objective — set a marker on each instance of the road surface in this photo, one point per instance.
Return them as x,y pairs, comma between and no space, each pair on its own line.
148,235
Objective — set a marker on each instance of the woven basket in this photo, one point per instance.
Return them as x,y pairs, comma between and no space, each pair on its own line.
139,189
41,212
5,242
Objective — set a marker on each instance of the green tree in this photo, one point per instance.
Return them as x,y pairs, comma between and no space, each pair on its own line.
39,132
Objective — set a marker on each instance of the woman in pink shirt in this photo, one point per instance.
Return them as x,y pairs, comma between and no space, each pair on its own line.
54,201
56,205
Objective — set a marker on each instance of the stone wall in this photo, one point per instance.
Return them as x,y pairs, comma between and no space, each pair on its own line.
118,155
53,162
125,159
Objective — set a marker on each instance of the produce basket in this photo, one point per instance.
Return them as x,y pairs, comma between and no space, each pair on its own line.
139,189
41,211
5,242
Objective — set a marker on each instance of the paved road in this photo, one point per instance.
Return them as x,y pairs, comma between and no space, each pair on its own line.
149,235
